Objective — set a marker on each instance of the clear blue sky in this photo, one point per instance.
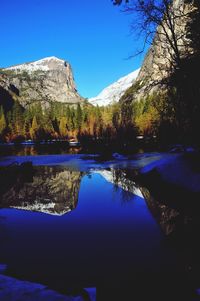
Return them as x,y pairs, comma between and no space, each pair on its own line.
93,35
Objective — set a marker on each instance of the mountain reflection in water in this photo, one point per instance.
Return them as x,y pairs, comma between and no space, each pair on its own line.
55,189
109,240
52,190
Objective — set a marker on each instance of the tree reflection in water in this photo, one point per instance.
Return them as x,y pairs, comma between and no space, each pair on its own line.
120,180
54,190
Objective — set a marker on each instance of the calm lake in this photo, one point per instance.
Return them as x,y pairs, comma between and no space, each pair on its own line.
77,222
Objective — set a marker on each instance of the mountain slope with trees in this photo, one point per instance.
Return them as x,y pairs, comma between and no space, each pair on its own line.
163,102
165,97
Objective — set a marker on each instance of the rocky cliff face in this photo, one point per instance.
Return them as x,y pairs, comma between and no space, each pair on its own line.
161,59
47,80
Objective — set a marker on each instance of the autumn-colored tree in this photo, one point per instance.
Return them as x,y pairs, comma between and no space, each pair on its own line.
2,123
34,128
17,121
147,121
62,127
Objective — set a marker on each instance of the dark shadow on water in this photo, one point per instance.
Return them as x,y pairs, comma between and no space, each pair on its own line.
38,149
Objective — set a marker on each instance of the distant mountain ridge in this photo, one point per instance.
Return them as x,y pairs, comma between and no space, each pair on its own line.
113,92
46,80
51,80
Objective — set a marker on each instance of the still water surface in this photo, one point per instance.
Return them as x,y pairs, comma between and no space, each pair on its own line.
72,229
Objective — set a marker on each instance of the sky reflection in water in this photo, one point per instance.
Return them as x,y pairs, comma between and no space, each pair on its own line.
109,235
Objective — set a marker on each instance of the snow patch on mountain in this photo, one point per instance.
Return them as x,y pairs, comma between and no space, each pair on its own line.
113,92
47,80
45,64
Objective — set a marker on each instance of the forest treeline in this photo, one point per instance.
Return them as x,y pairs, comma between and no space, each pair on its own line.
119,123
61,121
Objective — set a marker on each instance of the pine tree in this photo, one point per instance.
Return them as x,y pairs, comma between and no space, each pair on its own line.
26,128
98,116
68,116
85,115
27,123
72,119
17,119
1,111
34,128
79,116
62,127
2,123
48,126
115,116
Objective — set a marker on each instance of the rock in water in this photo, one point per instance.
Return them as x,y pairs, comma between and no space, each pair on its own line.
47,80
